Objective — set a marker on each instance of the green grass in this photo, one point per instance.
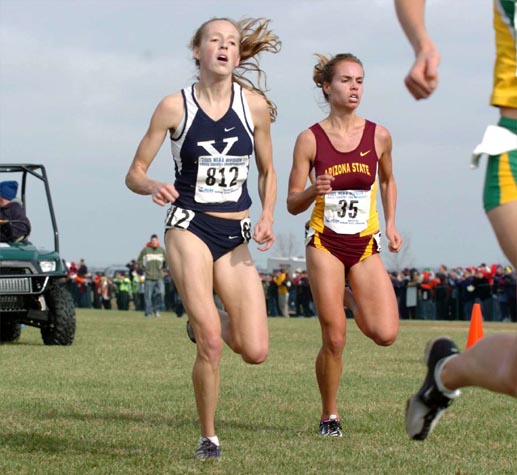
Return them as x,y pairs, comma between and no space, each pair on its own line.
120,401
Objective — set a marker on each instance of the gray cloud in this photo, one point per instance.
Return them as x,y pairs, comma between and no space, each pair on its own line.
80,82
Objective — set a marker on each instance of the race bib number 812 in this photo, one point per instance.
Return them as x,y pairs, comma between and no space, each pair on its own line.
220,178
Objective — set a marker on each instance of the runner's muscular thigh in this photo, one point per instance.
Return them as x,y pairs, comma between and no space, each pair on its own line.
237,283
378,309
190,263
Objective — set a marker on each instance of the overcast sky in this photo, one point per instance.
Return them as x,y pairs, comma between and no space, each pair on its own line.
80,79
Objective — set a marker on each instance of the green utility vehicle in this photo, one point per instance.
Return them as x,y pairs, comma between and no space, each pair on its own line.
33,280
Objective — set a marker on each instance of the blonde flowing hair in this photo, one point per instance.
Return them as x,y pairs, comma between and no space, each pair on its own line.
255,37
324,69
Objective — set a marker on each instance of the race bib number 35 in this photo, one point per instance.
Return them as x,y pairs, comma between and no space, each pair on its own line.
347,211
220,178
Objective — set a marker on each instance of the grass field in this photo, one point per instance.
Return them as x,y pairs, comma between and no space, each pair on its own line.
120,401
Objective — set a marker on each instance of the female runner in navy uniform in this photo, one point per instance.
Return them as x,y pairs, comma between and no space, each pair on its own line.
341,156
215,126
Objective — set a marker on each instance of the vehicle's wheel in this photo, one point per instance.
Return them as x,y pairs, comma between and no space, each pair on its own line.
61,327
9,330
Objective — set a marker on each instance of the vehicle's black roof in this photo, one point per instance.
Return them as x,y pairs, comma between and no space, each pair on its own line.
19,167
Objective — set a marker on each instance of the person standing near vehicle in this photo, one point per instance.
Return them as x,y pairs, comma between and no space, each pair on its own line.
216,125
153,261
14,224
342,156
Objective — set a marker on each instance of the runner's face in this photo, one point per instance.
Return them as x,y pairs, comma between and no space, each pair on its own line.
346,87
219,48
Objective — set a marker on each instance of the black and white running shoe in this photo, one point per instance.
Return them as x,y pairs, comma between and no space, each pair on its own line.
207,450
331,427
424,409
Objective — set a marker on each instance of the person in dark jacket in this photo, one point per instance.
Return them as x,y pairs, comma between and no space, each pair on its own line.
14,224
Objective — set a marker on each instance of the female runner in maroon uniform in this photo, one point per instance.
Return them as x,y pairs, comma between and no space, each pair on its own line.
341,156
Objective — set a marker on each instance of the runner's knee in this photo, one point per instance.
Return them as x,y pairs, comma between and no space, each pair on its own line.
255,356
335,344
384,336
210,347
384,340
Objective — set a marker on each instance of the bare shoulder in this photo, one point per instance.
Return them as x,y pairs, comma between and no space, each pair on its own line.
256,102
171,103
170,110
174,98
306,138
382,134
305,146
383,142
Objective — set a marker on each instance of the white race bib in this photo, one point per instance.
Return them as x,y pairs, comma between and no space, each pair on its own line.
347,211
178,217
220,178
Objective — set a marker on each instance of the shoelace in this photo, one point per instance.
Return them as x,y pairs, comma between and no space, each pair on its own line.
208,448
333,425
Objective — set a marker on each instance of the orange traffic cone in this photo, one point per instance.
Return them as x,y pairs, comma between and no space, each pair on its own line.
476,325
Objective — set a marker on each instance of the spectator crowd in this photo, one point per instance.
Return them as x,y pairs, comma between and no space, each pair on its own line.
124,290
449,294
441,294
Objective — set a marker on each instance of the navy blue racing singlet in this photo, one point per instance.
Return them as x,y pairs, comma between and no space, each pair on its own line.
211,157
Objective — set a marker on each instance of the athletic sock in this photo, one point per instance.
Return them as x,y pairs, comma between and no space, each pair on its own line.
450,393
214,439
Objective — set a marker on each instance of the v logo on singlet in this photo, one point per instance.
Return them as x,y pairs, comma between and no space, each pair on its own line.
209,147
